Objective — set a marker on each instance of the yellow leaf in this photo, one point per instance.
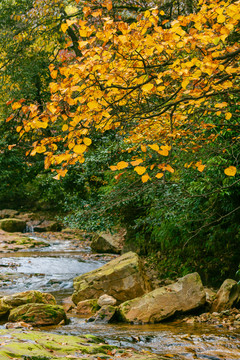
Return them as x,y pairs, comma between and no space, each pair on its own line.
19,128
51,108
201,167
140,170
61,172
97,13
79,149
159,175
166,147
64,27
10,118
154,147
136,162
147,14
145,178
122,165
93,105
53,87
228,116
230,171
16,105
87,141
81,159
163,152
83,32
109,5
169,168
40,149
64,127
56,177
54,74
185,83
71,145
221,105
70,22
11,146
221,18
147,87
113,168
143,148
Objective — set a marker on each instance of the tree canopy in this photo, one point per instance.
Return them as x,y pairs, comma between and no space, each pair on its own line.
163,85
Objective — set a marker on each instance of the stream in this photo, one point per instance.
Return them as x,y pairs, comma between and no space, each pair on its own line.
53,268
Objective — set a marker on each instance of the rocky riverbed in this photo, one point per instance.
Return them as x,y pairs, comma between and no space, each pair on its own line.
52,266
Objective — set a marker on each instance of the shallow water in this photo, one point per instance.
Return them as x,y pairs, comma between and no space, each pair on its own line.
53,268
49,269
174,340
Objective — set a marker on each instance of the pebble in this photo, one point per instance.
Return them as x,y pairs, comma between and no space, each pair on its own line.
226,318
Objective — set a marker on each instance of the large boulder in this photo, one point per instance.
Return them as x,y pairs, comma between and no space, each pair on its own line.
12,225
38,314
123,278
227,296
184,295
7,303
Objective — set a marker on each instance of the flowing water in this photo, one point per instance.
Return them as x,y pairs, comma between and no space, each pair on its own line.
52,269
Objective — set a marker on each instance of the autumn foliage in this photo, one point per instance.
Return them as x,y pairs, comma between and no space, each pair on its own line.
163,85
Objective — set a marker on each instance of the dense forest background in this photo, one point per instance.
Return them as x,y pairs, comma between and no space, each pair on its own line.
186,220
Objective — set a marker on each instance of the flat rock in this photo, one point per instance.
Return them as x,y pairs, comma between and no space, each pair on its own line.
15,241
25,344
184,295
123,278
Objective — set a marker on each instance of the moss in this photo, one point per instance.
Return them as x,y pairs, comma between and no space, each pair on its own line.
35,345
94,339
36,358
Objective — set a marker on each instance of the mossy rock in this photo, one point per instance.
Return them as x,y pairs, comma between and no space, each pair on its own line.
87,307
38,314
10,302
36,345
12,225
123,278
106,314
